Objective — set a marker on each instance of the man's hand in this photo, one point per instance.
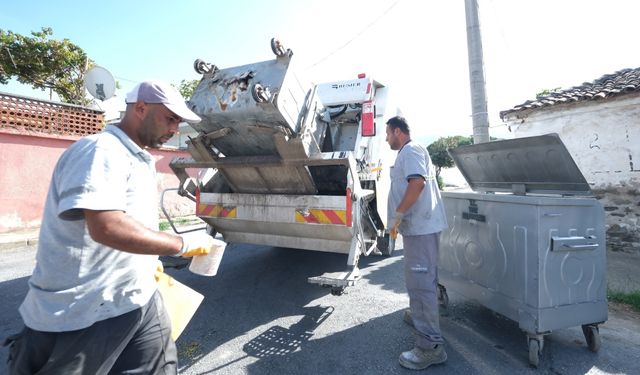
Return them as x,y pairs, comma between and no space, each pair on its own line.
397,220
196,245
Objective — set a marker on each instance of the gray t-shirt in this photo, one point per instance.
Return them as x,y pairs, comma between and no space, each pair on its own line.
77,281
427,214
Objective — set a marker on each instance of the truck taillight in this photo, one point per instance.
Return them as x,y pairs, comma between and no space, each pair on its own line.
368,125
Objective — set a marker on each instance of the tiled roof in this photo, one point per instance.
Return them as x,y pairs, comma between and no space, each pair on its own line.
607,86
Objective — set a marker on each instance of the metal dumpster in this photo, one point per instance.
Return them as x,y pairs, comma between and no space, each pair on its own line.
529,241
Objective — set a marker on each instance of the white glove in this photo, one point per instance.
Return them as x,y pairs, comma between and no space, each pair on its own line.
196,244
397,220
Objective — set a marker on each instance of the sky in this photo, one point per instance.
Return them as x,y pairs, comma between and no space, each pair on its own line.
418,48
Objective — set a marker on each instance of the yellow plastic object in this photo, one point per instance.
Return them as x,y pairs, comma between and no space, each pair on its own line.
180,301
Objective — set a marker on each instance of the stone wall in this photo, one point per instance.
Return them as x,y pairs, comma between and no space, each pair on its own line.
622,208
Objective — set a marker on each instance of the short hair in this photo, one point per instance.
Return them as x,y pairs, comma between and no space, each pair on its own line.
399,122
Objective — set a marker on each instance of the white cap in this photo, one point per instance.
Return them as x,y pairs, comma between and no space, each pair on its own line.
155,92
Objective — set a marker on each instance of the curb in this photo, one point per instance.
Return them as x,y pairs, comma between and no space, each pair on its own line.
18,243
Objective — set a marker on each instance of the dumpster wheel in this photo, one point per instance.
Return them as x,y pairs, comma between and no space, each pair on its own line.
534,352
592,336
443,296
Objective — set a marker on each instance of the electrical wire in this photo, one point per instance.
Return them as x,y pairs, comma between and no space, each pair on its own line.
355,36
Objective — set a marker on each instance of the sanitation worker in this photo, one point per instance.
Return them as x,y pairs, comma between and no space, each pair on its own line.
93,305
416,211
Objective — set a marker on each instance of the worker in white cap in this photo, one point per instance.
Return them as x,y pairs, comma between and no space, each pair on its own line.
93,305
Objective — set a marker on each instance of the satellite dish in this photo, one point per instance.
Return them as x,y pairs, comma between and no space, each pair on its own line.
100,83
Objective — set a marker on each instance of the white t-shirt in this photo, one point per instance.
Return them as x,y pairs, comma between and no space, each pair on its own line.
77,281
427,214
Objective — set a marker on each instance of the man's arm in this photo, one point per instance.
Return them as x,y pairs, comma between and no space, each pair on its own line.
411,195
119,231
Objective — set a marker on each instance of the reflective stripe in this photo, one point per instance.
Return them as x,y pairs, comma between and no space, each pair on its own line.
320,216
216,210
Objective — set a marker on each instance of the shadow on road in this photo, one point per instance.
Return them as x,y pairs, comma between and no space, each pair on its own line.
260,316
239,303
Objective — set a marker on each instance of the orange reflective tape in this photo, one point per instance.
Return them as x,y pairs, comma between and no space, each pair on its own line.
216,210
321,216
333,217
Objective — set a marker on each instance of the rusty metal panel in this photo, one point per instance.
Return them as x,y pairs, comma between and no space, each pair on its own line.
224,100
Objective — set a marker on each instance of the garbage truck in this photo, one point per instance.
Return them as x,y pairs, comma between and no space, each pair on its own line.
290,166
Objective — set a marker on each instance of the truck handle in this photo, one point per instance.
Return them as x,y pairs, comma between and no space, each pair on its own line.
166,214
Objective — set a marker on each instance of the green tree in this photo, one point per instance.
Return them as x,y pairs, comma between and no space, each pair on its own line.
45,63
439,152
186,88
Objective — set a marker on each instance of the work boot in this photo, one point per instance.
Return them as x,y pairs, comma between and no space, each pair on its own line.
407,317
419,359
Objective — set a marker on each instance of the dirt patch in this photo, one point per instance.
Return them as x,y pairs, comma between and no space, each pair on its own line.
624,311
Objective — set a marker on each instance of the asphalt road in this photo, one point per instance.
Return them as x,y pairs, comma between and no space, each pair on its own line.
260,316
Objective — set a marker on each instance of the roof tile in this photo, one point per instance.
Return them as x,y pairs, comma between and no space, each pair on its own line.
609,85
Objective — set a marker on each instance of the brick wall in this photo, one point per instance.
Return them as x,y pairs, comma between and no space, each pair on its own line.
33,135
40,116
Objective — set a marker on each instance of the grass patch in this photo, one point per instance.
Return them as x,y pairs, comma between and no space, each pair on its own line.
632,299
179,221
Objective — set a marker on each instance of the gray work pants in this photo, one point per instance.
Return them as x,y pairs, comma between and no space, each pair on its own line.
138,342
421,277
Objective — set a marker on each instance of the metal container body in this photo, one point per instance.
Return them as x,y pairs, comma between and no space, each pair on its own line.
225,100
538,260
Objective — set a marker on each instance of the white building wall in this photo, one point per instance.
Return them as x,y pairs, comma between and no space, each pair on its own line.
603,138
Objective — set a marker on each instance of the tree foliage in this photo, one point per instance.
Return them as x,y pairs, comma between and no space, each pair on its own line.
45,63
187,87
439,151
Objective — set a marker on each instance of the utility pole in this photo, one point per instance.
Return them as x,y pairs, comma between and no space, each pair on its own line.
479,113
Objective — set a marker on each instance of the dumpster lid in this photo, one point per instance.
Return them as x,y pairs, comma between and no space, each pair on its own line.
539,165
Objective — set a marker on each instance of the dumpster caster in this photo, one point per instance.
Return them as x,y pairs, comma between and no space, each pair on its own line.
534,352
337,290
278,49
382,245
443,297
592,335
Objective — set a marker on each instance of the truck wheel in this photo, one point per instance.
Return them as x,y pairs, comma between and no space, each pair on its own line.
211,231
337,290
174,262
382,244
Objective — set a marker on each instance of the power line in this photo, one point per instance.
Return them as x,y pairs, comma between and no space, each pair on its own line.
126,79
355,36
